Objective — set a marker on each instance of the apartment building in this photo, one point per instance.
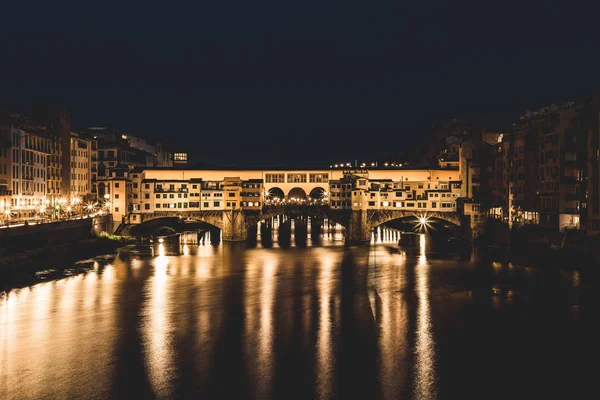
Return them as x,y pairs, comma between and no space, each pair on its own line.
25,152
81,167
562,163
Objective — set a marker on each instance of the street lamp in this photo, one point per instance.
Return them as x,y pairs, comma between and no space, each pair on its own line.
90,207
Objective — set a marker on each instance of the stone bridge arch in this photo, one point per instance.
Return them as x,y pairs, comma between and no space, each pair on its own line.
297,193
275,193
318,193
214,218
378,217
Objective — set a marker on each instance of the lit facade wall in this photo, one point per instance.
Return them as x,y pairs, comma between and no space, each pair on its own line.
232,192
252,194
118,199
593,204
211,196
158,190
81,167
28,184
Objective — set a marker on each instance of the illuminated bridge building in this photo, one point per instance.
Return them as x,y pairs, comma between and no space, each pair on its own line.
234,199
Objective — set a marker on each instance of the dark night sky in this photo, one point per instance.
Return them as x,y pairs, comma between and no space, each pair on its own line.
243,82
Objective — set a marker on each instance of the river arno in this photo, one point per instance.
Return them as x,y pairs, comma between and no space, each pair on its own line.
227,321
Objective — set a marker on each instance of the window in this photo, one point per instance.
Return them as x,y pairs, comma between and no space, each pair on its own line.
231,194
116,196
320,178
216,203
116,185
371,204
274,178
146,195
116,209
146,206
296,178
147,186
180,157
228,204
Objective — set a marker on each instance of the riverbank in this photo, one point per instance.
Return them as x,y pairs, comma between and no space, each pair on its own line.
54,262
537,246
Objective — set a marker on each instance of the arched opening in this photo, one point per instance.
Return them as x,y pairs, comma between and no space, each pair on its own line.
275,195
422,224
296,195
155,225
318,194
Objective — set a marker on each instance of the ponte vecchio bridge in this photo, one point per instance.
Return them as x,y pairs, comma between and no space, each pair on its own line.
235,200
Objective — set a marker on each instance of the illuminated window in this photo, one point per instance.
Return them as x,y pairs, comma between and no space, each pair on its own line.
180,157
296,178
318,178
275,178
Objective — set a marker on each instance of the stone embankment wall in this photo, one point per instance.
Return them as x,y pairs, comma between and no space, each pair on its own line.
18,238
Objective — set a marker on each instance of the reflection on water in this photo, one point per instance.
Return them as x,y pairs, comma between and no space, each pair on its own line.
424,348
157,329
227,321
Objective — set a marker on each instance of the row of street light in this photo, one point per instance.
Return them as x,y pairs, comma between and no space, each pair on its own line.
71,208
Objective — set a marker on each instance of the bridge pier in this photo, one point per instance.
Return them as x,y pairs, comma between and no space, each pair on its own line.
234,226
359,228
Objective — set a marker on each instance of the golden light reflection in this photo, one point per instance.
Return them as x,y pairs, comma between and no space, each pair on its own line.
265,330
324,348
260,286
425,347
156,327
392,318
48,331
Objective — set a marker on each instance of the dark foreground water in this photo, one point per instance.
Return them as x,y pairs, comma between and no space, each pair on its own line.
230,322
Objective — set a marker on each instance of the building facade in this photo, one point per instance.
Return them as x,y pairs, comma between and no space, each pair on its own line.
81,167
